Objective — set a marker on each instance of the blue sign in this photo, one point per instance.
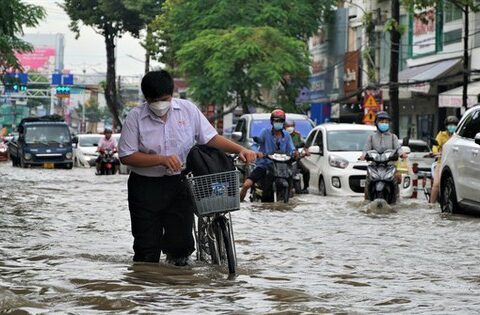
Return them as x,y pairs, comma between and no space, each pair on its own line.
21,77
62,79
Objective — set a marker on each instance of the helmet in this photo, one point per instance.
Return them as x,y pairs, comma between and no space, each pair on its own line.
277,114
290,122
451,120
382,115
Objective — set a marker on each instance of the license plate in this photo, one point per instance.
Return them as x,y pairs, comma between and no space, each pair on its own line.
362,182
48,165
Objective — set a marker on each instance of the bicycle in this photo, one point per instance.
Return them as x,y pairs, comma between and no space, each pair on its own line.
214,197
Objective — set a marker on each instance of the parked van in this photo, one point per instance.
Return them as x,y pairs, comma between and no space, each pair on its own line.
42,141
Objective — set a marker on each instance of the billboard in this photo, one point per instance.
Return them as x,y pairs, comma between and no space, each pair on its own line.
424,32
41,59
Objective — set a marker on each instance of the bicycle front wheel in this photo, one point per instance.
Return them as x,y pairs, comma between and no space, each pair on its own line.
228,245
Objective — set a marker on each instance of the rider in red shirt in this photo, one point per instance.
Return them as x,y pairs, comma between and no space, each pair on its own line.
106,143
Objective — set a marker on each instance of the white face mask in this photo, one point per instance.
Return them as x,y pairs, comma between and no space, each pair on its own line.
290,129
160,108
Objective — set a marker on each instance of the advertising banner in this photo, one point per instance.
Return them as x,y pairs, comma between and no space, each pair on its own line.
42,59
424,32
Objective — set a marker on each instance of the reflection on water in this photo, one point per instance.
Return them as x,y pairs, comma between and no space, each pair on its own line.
65,245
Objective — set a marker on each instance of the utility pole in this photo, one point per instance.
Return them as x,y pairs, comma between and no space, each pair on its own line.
394,56
465,59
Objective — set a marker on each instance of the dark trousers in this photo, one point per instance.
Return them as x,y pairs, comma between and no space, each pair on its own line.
161,215
305,173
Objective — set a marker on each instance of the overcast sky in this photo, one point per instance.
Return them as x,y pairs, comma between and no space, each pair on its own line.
88,52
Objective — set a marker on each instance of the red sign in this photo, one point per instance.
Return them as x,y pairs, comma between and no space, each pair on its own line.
41,59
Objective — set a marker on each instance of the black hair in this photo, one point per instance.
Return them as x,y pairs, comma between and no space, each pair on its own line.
156,84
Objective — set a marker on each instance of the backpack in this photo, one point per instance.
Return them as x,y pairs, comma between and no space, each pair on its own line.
204,160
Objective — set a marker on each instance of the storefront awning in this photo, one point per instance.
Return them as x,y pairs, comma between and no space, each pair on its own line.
454,97
428,72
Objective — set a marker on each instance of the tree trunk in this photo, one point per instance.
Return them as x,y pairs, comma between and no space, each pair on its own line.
111,86
394,56
465,60
148,40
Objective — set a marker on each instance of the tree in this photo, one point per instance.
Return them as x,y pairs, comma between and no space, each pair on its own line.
293,22
14,16
232,66
111,19
172,29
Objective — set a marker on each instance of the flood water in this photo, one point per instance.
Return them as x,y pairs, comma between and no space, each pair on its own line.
65,246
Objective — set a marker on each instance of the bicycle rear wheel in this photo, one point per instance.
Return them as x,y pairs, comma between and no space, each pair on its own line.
229,246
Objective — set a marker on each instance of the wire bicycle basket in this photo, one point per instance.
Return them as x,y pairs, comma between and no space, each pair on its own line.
215,193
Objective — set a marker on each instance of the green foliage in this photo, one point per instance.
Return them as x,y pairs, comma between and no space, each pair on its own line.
14,16
226,65
232,50
183,20
107,17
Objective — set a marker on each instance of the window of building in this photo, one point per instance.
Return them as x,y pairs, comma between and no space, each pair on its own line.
452,37
451,12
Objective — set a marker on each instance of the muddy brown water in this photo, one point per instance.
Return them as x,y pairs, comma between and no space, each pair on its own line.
66,247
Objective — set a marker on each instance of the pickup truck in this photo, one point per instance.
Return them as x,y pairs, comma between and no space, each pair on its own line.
42,141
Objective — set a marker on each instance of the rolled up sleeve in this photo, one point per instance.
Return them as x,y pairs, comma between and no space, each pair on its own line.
128,143
204,130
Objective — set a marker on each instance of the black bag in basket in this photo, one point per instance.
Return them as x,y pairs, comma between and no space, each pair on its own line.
204,160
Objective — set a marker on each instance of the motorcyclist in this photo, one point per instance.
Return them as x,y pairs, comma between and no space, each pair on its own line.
299,143
106,143
271,140
451,123
380,141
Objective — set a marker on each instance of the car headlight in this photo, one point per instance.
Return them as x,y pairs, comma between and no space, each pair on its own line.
3,149
27,156
69,155
338,162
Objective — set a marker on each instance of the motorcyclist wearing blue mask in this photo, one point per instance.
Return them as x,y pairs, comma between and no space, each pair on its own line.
271,140
382,140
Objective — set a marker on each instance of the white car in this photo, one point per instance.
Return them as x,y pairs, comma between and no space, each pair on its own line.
85,151
460,168
334,166
122,169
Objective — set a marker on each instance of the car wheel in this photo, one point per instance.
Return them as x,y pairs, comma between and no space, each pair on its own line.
448,200
322,189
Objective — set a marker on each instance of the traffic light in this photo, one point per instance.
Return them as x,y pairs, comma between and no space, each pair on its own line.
62,91
15,87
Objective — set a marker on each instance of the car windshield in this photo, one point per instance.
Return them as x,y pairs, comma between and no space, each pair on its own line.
89,141
347,140
47,134
422,148
301,125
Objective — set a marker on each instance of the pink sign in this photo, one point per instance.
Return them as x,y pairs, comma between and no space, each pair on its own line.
41,59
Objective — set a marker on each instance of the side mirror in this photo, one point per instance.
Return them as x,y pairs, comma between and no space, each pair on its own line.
75,140
477,138
315,149
237,135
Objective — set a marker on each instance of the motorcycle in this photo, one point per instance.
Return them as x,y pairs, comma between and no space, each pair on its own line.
3,151
381,176
278,182
107,163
